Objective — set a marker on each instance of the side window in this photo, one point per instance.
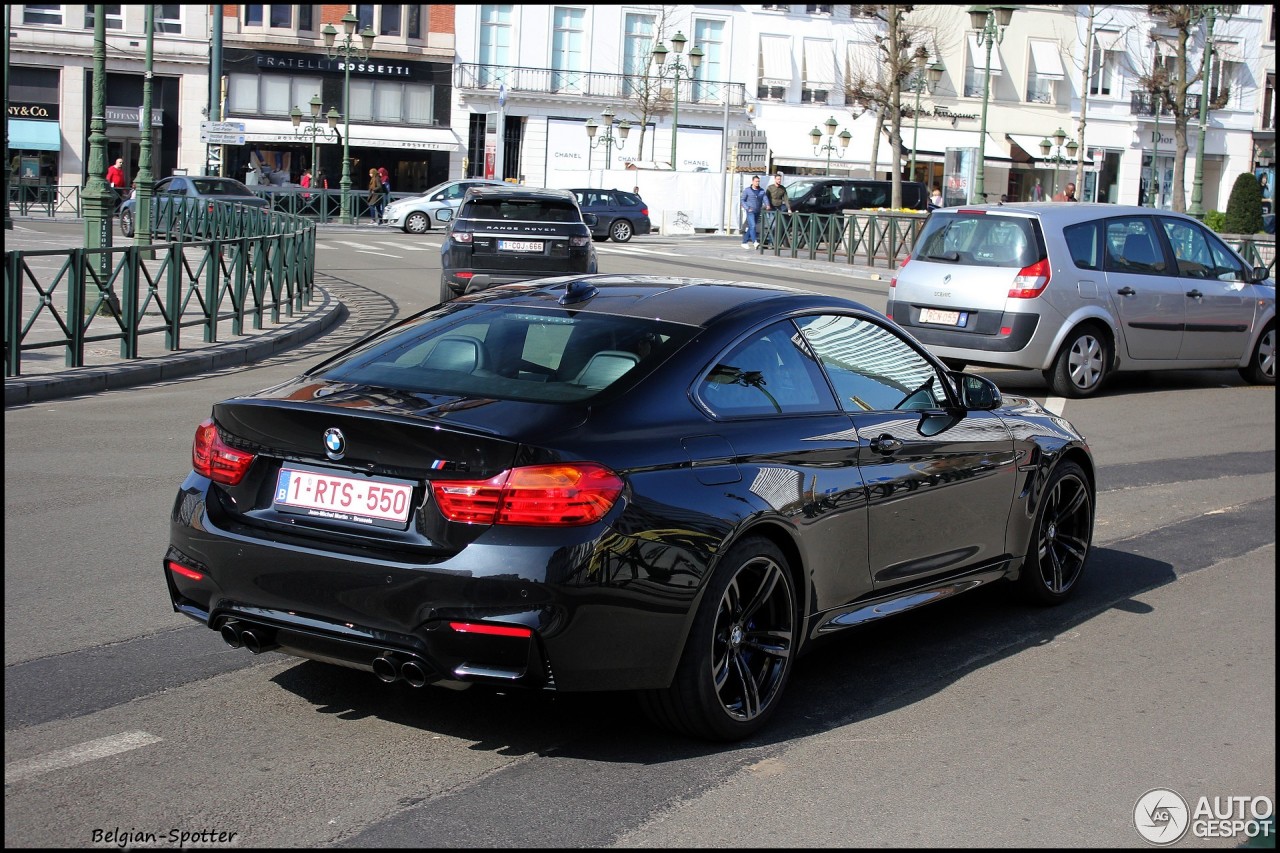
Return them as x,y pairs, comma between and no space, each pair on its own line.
177,186
1190,249
1132,247
1226,266
769,373
164,186
1082,242
871,367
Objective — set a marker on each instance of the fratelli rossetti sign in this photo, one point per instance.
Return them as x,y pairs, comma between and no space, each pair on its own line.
296,62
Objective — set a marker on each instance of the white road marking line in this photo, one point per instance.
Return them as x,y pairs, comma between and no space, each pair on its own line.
405,247
1056,405
380,254
82,753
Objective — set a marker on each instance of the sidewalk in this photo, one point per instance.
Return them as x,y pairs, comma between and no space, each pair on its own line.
45,376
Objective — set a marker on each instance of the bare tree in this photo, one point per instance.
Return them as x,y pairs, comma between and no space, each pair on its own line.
1174,85
649,95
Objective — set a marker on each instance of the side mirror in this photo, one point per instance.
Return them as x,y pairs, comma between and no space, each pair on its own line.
977,393
1260,275
590,220
444,214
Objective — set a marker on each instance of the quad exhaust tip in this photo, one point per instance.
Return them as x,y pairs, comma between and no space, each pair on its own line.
256,640
385,668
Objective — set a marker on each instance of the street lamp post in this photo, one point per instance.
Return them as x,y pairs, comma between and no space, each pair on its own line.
924,78
347,50
815,136
990,23
608,139
677,68
145,175
1197,184
1057,158
313,129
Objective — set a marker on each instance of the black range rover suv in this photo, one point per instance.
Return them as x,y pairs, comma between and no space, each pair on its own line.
505,234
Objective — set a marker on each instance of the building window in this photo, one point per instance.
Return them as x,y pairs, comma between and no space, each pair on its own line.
814,96
1045,70
775,67
819,10
1104,66
364,17
270,94
819,71
114,17
774,7
390,23
975,73
637,43
169,18
252,15
1222,83
709,35
1269,103
388,102
43,13
495,44
413,22
282,17
567,40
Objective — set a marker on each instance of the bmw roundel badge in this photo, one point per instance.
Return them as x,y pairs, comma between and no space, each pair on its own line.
335,443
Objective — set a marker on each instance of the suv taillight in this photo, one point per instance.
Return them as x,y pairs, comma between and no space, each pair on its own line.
1030,281
461,236
893,282
579,242
213,458
564,495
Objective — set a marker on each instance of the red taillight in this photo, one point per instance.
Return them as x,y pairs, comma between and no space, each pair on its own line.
536,495
644,211
461,236
1030,281
185,571
464,274
893,282
216,460
494,630
972,212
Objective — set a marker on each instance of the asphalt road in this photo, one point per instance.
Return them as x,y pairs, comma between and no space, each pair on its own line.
979,722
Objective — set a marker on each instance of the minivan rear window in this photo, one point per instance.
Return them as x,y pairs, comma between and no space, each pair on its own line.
980,239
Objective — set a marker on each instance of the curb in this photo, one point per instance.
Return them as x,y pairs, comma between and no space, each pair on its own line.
77,381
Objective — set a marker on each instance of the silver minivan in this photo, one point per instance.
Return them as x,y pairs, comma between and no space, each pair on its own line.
1080,291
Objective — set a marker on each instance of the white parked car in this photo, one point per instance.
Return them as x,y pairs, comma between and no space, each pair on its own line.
419,214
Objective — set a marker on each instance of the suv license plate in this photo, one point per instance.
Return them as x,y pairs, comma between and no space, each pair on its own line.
943,318
519,245
319,495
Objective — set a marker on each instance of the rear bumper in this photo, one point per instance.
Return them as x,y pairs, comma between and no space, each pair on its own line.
1003,336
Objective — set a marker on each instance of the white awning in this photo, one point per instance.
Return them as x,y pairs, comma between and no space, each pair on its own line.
1048,61
936,141
819,64
1227,49
978,56
775,56
281,132
1031,144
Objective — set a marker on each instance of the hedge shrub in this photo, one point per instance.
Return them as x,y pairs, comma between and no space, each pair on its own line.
1244,207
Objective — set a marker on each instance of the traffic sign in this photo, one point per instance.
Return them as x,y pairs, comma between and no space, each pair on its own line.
221,127
222,138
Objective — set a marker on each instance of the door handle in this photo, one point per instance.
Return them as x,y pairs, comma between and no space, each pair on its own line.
886,444
1194,294
1126,291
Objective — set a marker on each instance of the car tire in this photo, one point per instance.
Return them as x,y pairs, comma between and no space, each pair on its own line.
126,223
446,292
740,651
1262,364
417,223
1082,365
1060,537
620,231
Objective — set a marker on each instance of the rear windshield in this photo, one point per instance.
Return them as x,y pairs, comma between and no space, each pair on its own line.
523,210
979,239
503,352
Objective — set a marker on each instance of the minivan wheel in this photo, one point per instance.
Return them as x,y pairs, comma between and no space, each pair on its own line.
417,223
740,650
126,223
620,231
1262,364
1082,365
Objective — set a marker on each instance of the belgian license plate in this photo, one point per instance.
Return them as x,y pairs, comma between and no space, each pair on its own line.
943,318
316,494
519,245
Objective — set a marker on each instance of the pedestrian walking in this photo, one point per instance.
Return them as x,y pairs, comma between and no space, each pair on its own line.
377,196
1037,192
753,201
115,178
777,201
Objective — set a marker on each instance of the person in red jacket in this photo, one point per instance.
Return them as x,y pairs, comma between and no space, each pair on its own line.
115,177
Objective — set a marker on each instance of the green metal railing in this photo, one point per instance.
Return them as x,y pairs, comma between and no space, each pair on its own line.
216,263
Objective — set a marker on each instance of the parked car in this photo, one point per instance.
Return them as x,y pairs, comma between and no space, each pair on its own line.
188,190
833,195
419,214
510,233
1080,291
619,214
664,485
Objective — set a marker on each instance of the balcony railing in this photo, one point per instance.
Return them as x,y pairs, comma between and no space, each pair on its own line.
1142,104
469,76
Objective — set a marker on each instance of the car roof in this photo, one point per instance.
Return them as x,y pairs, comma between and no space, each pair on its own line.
1062,213
693,301
518,192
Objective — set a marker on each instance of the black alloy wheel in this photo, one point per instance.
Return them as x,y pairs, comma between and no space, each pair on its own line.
1262,364
740,651
417,223
1082,365
620,231
1061,537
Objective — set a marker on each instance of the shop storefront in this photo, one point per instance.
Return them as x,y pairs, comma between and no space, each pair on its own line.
35,134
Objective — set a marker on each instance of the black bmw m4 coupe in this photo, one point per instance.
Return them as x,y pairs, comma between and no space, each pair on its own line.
671,486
